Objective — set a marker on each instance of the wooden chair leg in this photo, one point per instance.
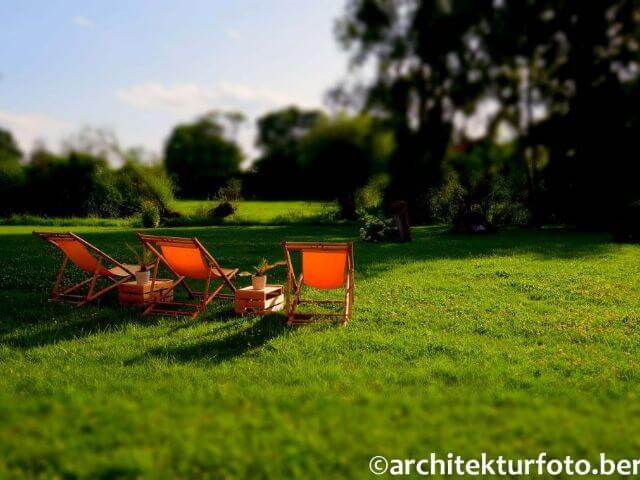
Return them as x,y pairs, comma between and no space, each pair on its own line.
59,276
345,314
205,300
294,306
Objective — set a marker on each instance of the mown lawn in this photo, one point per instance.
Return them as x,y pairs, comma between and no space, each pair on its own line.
194,213
512,344
261,212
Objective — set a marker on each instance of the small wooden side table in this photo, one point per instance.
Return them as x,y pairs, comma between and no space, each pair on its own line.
130,293
259,302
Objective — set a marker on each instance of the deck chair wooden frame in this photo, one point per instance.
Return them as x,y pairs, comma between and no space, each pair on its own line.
294,285
220,276
83,256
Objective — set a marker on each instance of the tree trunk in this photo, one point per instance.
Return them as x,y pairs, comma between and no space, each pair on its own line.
400,212
347,203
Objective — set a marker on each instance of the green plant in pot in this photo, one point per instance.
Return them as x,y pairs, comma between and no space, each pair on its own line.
259,278
144,258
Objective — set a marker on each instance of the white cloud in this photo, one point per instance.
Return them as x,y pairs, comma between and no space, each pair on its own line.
252,94
233,34
29,127
82,21
191,98
181,97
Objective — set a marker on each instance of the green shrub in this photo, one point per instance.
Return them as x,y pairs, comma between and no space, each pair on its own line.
105,199
370,196
448,202
230,192
228,197
143,183
509,213
222,210
150,215
378,229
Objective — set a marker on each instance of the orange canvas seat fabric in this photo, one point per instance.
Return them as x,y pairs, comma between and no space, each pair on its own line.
80,256
325,270
185,260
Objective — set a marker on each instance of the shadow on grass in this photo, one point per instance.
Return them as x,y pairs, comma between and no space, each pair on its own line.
38,324
223,349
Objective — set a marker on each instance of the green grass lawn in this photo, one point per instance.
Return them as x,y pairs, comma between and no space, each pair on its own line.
512,343
249,212
261,212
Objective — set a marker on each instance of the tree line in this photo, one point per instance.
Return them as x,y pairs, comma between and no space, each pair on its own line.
306,154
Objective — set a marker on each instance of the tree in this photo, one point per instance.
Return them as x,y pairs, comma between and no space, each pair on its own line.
423,52
278,171
577,65
11,173
97,142
200,157
9,150
340,155
564,75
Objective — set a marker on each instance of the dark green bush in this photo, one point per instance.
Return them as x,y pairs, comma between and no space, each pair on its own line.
140,183
370,197
105,199
230,192
62,186
448,202
378,229
222,210
150,215
79,185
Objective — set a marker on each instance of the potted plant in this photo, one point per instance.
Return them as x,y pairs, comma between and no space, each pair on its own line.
259,279
144,259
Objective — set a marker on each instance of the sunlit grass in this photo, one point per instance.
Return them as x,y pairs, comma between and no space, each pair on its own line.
194,213
512,344
261,212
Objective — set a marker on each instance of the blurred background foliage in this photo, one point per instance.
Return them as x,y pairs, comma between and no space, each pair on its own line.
478,114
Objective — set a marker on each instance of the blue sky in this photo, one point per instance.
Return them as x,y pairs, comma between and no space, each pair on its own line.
138,67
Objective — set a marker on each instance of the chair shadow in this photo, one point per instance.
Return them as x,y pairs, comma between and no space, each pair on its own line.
257,335
68,322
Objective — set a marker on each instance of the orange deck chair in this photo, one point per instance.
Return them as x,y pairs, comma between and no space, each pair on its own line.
91,260
325,266
187,258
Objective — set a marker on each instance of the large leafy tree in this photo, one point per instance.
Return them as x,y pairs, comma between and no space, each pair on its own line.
201,157
278,171
426,63
564,75
11,173
9,150
340,155
576,64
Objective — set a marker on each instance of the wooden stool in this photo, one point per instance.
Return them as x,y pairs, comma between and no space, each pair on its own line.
130,293
259,302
